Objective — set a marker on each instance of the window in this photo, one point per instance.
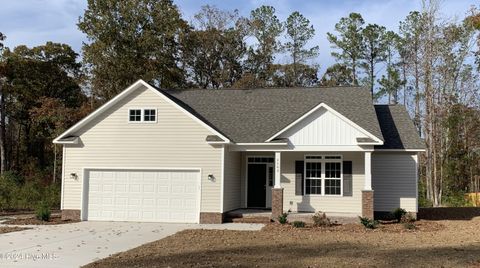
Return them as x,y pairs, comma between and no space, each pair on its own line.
142,115
149,115
323,175
313,178
260,159
332,178
135,115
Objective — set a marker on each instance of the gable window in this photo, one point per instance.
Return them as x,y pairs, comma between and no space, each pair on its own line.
142,115
135,115
323,175
149,115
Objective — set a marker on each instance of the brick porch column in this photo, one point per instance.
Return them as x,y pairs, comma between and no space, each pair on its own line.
367,193
277,190
277,203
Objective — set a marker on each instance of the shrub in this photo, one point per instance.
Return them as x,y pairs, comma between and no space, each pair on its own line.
408,218
368,223
8,193
43,211
321,220
398,214
409,225
282,219
298,224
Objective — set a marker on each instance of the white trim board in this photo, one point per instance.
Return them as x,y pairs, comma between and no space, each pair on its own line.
122,95
328,108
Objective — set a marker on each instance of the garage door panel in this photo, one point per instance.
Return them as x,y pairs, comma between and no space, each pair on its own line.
155,196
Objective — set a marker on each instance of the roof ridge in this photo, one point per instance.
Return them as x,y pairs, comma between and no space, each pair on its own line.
264,88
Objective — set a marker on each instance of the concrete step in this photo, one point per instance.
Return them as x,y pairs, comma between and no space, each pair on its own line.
248,219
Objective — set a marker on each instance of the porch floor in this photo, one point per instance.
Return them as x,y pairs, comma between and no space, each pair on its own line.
264,215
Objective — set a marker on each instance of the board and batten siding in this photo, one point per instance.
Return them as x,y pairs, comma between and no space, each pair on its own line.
394,181
322,127
175,141
232,180
348,205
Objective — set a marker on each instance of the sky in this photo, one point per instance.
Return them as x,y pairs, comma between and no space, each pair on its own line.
34,22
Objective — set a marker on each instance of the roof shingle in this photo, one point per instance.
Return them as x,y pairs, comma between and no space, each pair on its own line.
252,116
397,128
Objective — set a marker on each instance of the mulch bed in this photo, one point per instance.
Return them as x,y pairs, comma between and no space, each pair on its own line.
8,229
34,221
391,227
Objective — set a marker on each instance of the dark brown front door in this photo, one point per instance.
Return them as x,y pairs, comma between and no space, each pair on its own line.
257,177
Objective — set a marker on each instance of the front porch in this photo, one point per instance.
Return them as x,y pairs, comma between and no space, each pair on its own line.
302,183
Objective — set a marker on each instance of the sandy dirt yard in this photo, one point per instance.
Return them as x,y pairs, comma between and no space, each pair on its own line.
432,244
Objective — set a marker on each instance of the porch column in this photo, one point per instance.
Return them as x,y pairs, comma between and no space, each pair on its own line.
277,170
367,192
277,190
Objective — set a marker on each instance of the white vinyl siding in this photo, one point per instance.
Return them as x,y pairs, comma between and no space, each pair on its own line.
322,127
394,181
176,141
232,180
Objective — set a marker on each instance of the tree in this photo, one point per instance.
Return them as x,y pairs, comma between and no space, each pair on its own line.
266,28
213,50
299,32
393,82
129,40
33,75
390,84
349,42
3,157
411,31
373,51
337,75
289,75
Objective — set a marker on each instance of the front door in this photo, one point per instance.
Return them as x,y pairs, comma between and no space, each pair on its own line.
257,184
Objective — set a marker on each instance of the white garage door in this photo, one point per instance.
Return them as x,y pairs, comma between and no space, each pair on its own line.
153,196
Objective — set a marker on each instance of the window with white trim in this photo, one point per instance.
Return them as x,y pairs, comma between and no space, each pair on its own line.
323,175
147,115
135,115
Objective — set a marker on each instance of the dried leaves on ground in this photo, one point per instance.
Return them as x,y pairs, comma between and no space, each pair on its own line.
431,243
8,229
34,221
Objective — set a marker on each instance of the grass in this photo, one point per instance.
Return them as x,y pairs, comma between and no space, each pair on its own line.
430,244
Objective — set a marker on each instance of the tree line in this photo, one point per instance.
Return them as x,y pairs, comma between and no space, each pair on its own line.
429,63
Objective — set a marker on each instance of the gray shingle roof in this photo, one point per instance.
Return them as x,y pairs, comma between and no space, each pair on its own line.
252,116
397,128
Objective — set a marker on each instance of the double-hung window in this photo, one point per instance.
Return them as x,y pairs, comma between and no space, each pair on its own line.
323,175
142,115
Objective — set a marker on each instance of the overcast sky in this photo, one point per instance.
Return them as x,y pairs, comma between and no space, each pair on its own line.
33,22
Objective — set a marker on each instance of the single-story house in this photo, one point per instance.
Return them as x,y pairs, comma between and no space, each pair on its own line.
192,155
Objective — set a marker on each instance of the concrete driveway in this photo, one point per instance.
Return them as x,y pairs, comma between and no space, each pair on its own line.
76,244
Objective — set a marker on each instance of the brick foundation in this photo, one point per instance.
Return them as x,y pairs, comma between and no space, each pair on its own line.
211,217
367,204
277,202
71,214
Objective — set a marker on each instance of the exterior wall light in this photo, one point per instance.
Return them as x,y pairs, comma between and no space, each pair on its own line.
73,176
